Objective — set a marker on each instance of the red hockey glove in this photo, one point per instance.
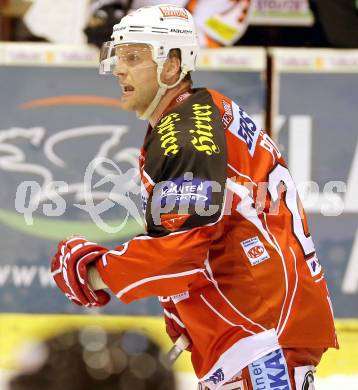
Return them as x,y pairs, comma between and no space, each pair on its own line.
69,269
173,324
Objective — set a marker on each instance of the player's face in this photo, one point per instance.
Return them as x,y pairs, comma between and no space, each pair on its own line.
137,76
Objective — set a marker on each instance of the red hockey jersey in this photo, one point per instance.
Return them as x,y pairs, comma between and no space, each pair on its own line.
227,239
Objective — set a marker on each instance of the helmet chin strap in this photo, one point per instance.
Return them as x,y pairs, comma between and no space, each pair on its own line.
161,92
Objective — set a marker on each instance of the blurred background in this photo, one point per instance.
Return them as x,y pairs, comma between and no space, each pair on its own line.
292,64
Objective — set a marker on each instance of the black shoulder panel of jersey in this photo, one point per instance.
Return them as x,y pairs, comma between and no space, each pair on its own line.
186,158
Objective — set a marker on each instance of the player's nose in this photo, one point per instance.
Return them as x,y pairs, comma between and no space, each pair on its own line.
120,68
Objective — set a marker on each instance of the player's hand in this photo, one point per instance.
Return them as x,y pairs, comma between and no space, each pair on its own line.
69,268
173,324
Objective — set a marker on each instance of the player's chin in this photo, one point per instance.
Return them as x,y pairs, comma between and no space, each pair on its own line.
127,105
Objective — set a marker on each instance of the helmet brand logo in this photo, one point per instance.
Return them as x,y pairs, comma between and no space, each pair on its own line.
180,31
174,12
118,28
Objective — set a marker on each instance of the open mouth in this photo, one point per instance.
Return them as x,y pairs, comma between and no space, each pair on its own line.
127,89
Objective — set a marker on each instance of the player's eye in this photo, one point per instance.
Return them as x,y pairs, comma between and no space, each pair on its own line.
132,58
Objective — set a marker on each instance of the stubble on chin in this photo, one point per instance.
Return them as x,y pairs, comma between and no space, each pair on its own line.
127,106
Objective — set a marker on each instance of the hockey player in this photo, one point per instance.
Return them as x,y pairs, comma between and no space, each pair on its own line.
227,246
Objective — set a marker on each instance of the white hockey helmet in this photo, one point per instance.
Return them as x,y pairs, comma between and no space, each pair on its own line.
163,27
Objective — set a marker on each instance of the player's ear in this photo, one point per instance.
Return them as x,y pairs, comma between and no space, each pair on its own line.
171,70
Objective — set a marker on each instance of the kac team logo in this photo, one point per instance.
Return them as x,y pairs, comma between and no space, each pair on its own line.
255,251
